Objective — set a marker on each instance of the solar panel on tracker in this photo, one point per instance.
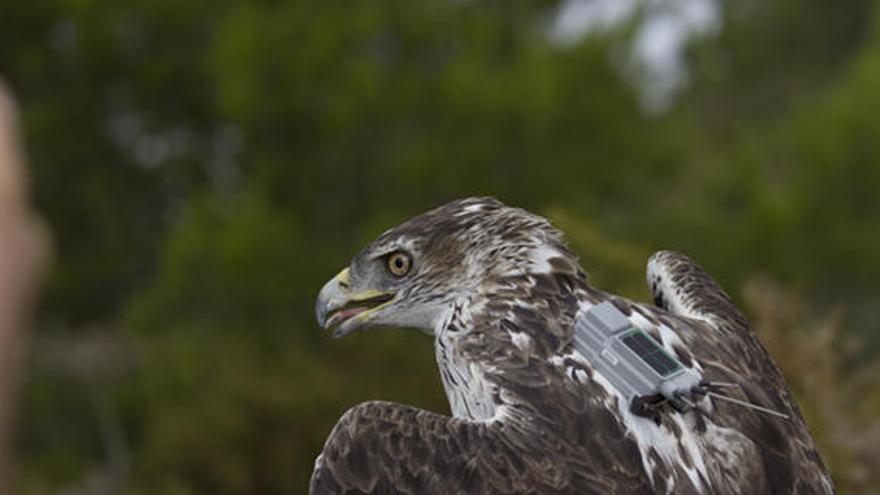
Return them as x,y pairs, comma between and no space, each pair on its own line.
650,351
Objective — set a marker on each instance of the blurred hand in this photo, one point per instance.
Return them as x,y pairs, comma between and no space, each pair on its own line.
23,253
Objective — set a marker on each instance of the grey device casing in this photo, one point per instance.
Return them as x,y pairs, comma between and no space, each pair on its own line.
629,358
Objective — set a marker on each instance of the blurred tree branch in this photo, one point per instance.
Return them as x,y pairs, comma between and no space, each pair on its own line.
23,252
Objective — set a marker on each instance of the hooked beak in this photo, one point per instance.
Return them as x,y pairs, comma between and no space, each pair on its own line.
340,307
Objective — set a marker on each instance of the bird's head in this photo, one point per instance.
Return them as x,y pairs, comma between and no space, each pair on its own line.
412,274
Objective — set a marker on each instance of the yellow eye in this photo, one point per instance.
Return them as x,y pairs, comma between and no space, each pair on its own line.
399,264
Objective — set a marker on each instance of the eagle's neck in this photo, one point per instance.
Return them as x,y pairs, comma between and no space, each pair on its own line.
470,395
520,312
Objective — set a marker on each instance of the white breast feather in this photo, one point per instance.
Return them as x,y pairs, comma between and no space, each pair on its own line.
464,381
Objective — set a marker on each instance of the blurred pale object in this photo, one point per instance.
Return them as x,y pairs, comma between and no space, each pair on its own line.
23,249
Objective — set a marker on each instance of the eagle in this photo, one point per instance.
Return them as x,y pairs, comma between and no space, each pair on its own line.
499,290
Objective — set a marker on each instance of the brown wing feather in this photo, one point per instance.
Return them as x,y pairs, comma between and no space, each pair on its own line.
386,448
382,447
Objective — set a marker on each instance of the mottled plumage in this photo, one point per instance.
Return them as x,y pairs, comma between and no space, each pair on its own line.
499,289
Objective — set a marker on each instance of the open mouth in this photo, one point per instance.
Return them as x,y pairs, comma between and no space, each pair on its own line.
354,308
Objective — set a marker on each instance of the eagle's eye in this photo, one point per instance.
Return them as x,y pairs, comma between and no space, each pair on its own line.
399,263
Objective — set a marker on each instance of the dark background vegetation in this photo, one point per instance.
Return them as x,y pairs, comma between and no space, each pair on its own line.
206,165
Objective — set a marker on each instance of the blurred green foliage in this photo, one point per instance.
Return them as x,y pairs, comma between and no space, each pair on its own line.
206,166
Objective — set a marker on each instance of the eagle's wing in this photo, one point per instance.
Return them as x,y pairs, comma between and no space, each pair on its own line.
383,447
682,287
721,338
